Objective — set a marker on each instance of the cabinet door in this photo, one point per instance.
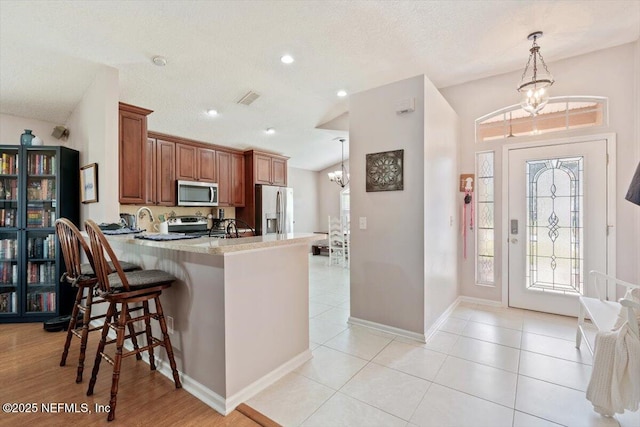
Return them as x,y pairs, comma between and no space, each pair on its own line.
262,173
223,165
42,278
206,165
132,161
237,180
279,172
165,173
186,162
151,171
9,273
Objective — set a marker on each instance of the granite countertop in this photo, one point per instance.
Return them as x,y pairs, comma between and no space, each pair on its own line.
216,246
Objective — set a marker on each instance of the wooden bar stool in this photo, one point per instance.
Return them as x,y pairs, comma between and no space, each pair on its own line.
124,289
83,277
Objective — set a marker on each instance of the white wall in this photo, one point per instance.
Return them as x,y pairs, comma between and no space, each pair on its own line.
305,200
11,127
440,204
389,271
93,127
612,73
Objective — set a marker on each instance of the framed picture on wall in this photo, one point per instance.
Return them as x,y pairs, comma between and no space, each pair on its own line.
89,183
385,171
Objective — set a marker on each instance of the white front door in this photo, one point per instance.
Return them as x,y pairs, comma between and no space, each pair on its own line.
557,224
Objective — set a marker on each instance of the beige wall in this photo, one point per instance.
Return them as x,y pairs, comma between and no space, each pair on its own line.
93,127
392,279
11,127
305,200
612,73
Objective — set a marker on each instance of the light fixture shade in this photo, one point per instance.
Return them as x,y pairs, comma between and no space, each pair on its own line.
633,195
534,84
534,99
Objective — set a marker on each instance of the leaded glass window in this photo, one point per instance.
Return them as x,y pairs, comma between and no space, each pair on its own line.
485,260
555,225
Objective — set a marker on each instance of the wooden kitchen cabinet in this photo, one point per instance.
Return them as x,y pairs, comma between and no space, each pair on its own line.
230,169
237,180
195,163
132,162
269,169
161,176
260,168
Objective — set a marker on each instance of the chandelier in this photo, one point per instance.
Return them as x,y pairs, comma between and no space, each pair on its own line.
534,84
340,177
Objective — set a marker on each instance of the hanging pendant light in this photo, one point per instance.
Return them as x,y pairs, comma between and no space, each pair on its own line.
340,177
534,85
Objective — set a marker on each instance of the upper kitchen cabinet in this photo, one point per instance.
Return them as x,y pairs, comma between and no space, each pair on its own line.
195,163
260,168
132,154
230,168
266,168
161,172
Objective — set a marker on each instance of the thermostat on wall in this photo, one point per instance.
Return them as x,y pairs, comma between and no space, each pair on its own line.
406,105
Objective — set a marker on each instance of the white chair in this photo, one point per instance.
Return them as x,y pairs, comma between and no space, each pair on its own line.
337,246
346,228
604,314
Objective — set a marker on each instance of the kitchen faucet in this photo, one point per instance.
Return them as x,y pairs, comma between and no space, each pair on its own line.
140,214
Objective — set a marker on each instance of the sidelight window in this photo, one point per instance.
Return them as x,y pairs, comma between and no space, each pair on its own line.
485,206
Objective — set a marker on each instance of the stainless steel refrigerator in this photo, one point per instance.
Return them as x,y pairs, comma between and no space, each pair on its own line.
274,210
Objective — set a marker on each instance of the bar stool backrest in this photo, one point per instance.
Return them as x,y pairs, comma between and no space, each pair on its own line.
100,246
70,242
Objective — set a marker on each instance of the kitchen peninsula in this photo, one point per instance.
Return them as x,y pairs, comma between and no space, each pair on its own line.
240,309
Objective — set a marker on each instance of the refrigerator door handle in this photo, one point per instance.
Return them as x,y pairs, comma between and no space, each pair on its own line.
278,212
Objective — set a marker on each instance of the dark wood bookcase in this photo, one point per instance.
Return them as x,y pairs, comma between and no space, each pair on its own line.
38,184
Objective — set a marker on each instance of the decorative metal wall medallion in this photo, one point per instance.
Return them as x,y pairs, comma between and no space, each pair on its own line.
384,171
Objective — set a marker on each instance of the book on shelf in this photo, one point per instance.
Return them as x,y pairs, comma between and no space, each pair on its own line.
8,302
41,301
9,164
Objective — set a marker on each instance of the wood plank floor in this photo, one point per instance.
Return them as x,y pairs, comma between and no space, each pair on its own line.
30,373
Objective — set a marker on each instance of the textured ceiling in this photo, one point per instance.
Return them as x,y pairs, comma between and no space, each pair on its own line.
51,51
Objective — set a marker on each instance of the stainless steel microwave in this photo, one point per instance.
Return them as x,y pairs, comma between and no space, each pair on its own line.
194,193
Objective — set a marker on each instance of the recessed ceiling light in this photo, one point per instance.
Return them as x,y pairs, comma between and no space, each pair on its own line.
270,131
287,59
342,93
160,61
212,113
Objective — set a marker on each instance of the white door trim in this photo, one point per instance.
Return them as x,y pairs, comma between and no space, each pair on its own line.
611,203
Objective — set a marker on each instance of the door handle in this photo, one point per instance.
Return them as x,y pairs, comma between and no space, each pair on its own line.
514,240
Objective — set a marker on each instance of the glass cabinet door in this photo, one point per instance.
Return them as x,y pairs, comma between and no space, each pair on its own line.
41,272
9,283
41,189
8,272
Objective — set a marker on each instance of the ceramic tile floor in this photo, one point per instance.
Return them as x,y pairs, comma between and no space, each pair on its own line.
485,366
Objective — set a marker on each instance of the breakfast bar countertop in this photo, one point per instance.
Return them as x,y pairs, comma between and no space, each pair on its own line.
217,246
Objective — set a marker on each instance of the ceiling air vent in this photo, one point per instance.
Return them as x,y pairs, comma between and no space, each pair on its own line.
248,98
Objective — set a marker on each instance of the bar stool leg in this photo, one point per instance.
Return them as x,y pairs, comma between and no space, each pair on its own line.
147,323
103,341
72,326
132,334
86,319
122,321
167,342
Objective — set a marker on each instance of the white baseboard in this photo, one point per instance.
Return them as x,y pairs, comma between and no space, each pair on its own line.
386,328
265,381
213,399
441,319
482,301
